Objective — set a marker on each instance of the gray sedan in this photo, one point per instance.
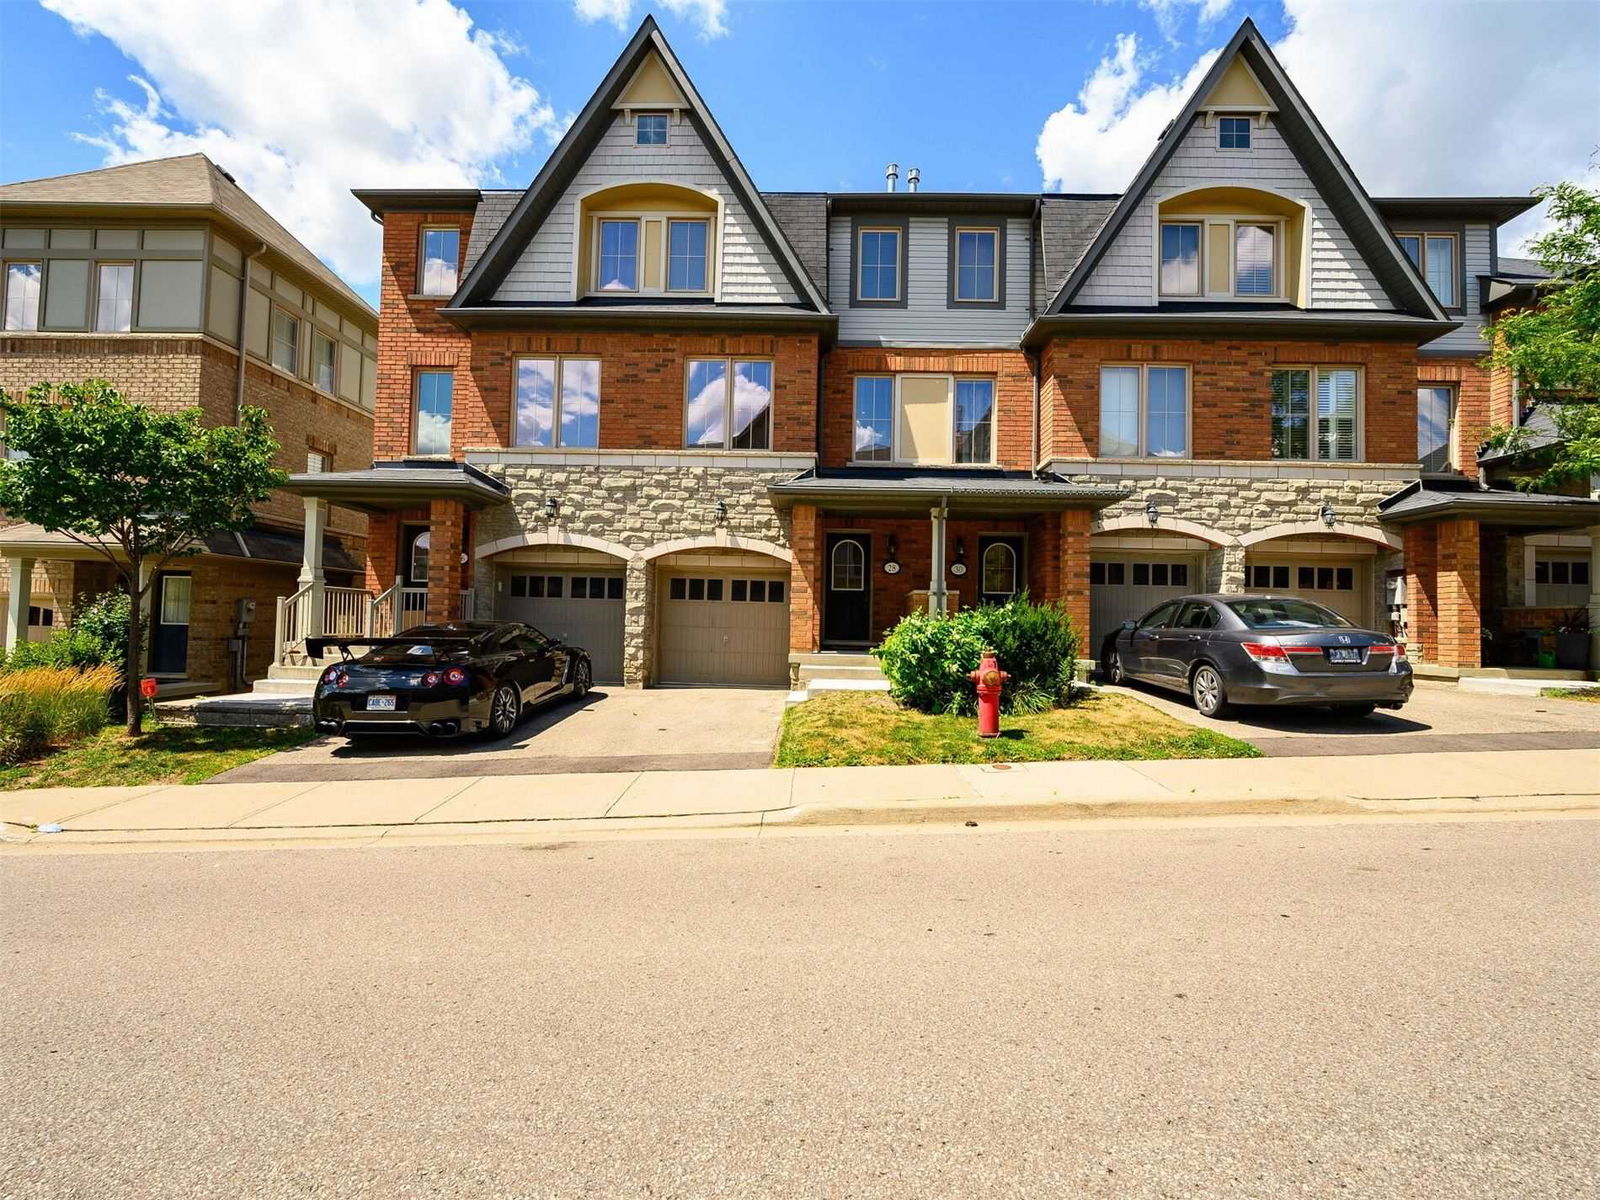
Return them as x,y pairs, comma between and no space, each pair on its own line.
1226,650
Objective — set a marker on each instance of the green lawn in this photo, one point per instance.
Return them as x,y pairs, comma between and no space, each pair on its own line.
165,754
861,729
1592,695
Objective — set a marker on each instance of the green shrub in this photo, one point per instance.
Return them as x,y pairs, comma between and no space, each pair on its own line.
927,659
98,637
48,706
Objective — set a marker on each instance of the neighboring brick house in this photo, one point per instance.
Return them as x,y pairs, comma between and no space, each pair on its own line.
134,274
710,432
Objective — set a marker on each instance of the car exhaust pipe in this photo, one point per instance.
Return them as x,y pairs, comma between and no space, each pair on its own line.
443,728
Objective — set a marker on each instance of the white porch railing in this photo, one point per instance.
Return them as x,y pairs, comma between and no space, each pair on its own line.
352,612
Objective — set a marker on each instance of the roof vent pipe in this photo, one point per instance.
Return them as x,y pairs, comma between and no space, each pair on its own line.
890,174
913,177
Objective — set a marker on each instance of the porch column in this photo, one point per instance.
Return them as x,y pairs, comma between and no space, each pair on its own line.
17,603
937,597
638,605
1594,599
1231,577
1075,574
805,579
446,530
1460,594
311,564
1422,592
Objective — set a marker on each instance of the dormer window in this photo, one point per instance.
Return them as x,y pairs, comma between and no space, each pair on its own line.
1221,257
1255,260
1233,133
650,129
619,256
686,256
1434,254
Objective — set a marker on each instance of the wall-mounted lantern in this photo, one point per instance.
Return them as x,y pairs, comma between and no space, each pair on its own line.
958,568
552,508
1328,515
1151,512
722,512
891,564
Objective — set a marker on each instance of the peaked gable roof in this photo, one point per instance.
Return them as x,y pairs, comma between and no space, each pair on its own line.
186,181
1328,170
500,254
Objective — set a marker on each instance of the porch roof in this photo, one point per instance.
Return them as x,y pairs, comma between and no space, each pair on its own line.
1436,498
260,544
407,483
964,490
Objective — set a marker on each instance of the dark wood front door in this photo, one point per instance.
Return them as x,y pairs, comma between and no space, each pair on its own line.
847,607
1000,568
169,635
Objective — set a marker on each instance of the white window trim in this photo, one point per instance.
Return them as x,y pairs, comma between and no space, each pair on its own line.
561,361
897,456
1144,411
634,116
1311,429
711,222
729,361
1280,228
1458,280
422,260
900,261
994,235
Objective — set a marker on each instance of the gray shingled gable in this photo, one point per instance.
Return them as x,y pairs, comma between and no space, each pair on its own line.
492,211
803,217
1067,226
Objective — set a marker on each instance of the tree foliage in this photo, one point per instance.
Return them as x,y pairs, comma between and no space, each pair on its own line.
137,485
1553,349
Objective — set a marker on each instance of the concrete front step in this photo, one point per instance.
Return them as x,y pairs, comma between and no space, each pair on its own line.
809,673
833,658
245,709
284,687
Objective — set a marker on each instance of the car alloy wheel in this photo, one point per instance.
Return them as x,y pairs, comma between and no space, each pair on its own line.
503,710
582,680
1114,671
1206,689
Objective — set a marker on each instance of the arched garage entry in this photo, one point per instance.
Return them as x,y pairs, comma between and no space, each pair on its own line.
1337,568
1133,567
567,591
722,617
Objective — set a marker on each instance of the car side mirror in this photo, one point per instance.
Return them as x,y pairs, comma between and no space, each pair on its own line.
1130,626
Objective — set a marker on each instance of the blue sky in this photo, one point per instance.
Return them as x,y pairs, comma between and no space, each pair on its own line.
304,99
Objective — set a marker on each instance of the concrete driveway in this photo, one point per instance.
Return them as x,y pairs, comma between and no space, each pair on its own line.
1439,717
611,729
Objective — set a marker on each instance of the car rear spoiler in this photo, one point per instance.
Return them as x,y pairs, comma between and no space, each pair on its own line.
316,647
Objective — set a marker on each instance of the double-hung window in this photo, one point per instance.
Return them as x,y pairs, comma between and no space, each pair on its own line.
323,361
878,264
1434,254
558,402
728,404
1434,403
435,408
1144,412
285,349
1316,413
441,257
977,266
619,256
23,284
874,423
686,255
113,308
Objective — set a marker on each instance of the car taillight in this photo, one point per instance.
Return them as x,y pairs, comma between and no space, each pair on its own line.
1399,652
431,679
455,676
1266,652
335,676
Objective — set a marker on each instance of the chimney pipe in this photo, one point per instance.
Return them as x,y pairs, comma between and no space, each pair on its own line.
890,174
913,177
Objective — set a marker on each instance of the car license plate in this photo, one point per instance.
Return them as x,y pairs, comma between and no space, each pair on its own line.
1344,654
380,703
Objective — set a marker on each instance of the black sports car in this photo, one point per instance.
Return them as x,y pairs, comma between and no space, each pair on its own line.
444,680
1226,650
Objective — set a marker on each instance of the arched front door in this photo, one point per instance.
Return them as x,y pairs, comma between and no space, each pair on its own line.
847,607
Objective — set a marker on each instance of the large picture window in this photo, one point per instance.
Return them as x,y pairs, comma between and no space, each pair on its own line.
1316,413
728,404
924,418
558,402
1144,412
435,408
874,423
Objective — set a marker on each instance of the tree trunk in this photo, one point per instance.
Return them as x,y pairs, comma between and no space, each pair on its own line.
131,672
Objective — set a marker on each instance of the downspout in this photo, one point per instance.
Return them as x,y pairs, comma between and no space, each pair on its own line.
827,266
238,332
1033,308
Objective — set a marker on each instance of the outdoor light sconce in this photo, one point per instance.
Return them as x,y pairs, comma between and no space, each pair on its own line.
959,567
1328,515
891,564
1151,512
552,508
722,512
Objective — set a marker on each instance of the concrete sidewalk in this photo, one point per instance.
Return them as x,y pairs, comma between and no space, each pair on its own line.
510,808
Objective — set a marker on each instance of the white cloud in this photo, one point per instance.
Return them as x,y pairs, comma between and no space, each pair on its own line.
1169,13
1434,98
301,101
711,16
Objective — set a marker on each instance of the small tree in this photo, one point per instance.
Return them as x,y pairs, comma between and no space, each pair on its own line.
139,486
1553,349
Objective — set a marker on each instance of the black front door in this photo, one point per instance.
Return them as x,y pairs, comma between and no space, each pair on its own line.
169,639
847,608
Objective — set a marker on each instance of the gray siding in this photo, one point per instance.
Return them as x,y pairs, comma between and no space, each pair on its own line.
927,319
1339,277
750,273
1477,258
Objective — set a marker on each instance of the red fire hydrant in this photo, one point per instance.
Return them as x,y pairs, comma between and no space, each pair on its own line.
988,678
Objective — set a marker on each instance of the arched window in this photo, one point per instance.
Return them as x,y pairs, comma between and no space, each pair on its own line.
849,570
999,570
419,557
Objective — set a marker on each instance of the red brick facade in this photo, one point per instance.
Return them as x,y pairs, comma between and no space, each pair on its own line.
1444,591
1474,410
1231,392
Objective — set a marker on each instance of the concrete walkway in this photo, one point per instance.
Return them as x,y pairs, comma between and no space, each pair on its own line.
511,808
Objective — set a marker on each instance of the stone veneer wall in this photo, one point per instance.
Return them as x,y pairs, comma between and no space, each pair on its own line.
636,507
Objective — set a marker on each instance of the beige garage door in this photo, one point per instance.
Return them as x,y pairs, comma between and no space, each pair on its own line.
1336,583
724,628
580,608
1124,587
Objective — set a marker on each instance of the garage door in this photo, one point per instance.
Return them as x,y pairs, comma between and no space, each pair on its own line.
1336,583
581,609
1124,587
725,629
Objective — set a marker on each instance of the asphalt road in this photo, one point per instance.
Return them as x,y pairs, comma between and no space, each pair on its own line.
1374,1009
